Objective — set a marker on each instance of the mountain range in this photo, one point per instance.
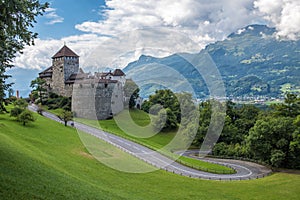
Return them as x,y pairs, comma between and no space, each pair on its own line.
250,62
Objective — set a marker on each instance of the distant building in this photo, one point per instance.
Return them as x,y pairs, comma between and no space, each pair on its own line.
98,96
65,64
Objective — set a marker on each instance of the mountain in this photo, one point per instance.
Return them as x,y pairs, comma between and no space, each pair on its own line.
251,62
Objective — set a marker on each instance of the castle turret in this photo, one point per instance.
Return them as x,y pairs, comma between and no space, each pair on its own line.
64,63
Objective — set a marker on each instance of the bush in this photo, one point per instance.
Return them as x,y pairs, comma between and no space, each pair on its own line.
277,158
16,111
58,102
25,117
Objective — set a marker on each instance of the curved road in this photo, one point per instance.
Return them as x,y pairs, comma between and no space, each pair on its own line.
245,170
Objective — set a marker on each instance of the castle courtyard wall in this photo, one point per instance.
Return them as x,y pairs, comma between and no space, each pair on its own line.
97,100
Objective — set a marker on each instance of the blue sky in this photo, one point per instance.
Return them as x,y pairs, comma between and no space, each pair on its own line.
68,13
115,32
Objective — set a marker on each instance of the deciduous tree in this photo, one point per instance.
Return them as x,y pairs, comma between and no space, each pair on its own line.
65,116
16,20
26,116
39,85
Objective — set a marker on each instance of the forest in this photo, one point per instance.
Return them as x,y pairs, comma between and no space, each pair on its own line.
270,135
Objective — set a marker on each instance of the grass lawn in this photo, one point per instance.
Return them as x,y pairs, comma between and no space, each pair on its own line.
46,160
141,132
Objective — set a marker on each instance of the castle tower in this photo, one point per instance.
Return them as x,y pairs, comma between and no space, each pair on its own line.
64,63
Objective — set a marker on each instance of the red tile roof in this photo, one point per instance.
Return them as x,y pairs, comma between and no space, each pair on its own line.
65,52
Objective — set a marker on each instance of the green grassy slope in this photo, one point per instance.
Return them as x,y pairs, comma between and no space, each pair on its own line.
46,160
160,142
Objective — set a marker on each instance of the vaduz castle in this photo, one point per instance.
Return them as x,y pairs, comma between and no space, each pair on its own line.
97,96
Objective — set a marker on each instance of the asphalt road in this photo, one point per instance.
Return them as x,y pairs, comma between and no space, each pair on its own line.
244,170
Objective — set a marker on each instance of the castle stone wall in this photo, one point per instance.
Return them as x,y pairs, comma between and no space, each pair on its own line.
68,90
71,66
97,100
63,68
58,79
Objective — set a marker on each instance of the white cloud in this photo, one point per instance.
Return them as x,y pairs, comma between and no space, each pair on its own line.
39,56
159,28
196,18
283,14
50,13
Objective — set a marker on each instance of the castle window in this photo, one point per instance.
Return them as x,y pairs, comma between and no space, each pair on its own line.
105,85
93,85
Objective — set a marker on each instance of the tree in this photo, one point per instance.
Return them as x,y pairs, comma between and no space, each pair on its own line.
26,116
16,111
270,138
21,113
277,158
165,120
10,92
21,103
295,145
174,104
39,85
290,107
165,98
65,116
131,90
19,106
16,20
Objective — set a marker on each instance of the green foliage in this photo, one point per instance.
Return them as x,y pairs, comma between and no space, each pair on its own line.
39,85
16,111
55,101
271,135
131,90
21,113
290,107
277,158
19,106
171,110
165,98
165,105
65,116
231,150
21,103
165,120
17,19
25,117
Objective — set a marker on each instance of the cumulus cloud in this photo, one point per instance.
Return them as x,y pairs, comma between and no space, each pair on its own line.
130,28
160,28
283,14
39,56
50,13
196,18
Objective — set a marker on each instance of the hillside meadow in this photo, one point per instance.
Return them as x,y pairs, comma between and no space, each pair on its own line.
45,160
163,142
